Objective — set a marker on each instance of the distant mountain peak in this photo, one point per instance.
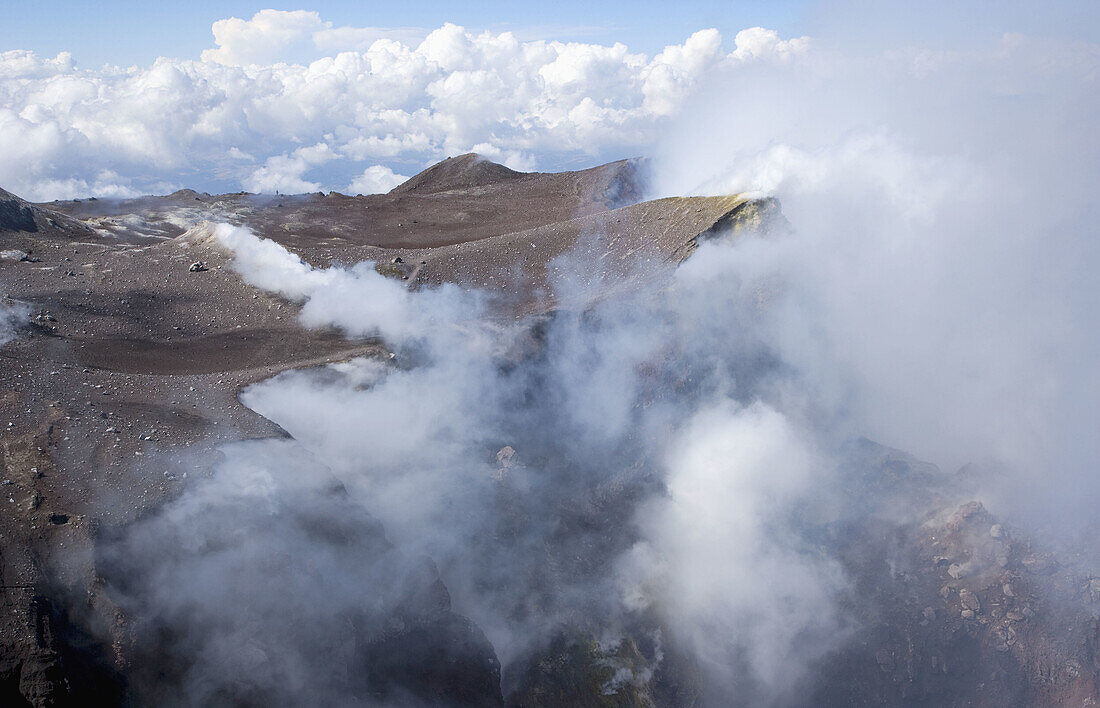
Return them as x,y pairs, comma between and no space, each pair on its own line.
461,172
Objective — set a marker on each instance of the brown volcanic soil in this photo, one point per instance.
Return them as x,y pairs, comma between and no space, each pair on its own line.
459,200
125,378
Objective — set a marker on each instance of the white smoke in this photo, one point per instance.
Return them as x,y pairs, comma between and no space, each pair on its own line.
722,556
266,583
12,315
666,458
358,300
939,285
647,479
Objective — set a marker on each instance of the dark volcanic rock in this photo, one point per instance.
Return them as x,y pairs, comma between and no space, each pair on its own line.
63,665
15,214
441,659
946,613
24,222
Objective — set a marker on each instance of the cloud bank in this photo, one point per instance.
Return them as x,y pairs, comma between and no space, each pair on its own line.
287,102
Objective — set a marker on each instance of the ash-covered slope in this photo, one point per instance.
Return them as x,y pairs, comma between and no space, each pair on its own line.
125,370
435,210
471,481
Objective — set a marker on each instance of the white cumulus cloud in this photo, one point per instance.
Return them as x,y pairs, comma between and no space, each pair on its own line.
286,101
376,179
284,173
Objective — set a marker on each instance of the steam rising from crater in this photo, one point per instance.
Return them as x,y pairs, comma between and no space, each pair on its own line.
632,464
663,462
941,290
11,317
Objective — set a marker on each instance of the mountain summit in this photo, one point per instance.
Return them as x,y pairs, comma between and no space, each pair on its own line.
462,172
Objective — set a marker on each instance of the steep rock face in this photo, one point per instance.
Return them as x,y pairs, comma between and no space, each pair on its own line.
438,660
759,216
639,671
20,218
47,660
15,214
949,606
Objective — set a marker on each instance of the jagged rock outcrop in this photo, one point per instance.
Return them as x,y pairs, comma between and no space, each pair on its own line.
18,216
950,606
15,214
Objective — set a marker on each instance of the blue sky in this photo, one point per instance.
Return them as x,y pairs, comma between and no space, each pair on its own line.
305,97
135,32
127,32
